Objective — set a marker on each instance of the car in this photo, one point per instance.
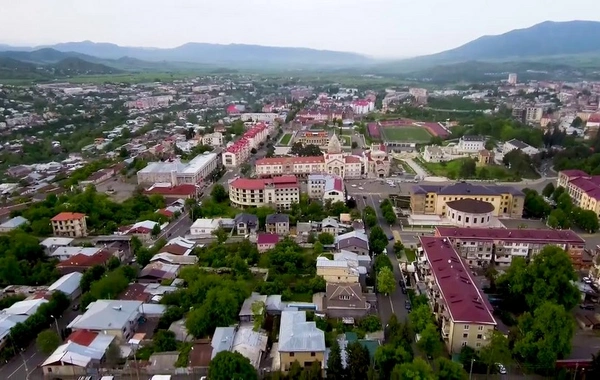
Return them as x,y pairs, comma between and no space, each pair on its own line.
354,185
587,280
75,307
407,305
390,238
501,369
361,188
403,289
587,306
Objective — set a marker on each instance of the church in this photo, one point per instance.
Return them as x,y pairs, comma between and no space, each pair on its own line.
374,163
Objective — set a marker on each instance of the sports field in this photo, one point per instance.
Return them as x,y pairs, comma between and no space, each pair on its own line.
406,134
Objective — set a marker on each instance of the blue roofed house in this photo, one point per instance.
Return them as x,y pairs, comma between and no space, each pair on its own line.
246,224
13,223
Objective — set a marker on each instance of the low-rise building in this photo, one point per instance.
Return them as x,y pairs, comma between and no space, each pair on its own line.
13,224
265,242
337,271
520,145
71,224
460,308
470,144
68,284
330,226
345,301
246,223
433,154
299,340
213,139
278,224
326,187
280,192
204,227
354,241
175,172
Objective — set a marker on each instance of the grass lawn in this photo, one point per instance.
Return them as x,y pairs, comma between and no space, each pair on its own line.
451,169
406,167
410,254
408,134
345,140
285,140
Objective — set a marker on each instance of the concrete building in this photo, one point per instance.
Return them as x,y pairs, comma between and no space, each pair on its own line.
337,271
512,79
318,138
326,187
479,246
460,308
345,301
433,154
433,199
13,224
178,173
266,241
534,114
362,106
68,284
280,192
470,213
470,144
70,224
520,145
239,152
246,223
278,224
204,227
299,340
213,139
584,189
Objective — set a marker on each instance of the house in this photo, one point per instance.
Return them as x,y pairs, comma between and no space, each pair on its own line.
65,253
520,145
433,153
485,157
251,344
354,260
99,177
68,284
264,242
13,223
70,224
354,241
337,271
156,272
246,314
7,322
246,224
142,230
82,352
26,307
204,227
118,318
50,244
345,301
299,340
331,226
81,262
278,224
169,258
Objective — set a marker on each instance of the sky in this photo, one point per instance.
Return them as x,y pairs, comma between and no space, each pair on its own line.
379,28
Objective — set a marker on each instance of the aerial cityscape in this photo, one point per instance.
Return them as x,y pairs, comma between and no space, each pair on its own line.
241,209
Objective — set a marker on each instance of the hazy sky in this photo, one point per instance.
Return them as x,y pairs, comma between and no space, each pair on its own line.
383,28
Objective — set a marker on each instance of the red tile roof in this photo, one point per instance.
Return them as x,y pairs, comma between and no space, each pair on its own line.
82,337
290,160
172,190
135,292
594,118
267,239
64,216
83,261
259,184
464,301
511,234
166,212
352,159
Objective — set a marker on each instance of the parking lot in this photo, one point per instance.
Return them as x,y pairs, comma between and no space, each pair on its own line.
117,188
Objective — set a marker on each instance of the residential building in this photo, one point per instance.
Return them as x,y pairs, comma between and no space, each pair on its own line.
7,322
479,246
354,241
485,157
158,271
52,243
68,284
213,139
118,318
266,117
167,190
345,301
280,192
99,177
246,314
337,271
471,144
431,199
361,107
512,79
175,172
584,189
82,262
13,224
142,230
264,242
178,246
534,114
433,154
65,253
330,226
239,152
246,224
278,224
326,187
71,224
312,137
27,307
299,340
520,145
461,309
243,339
204,227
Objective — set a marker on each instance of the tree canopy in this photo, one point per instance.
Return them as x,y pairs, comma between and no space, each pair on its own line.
231,365
386,283
377,240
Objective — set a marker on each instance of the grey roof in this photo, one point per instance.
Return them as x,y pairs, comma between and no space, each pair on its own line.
247,306
298,335
68,283
329,222
463,188
107,315
14,222
473,138
278,218
249,219
518,143
222,340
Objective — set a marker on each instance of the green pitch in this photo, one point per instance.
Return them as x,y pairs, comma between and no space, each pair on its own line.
406,134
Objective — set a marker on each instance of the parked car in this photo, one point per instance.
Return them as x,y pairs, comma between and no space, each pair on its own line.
587,280
75,307
587,306
407,305
501,369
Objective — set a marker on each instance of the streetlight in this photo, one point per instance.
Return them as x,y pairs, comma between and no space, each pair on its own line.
57,328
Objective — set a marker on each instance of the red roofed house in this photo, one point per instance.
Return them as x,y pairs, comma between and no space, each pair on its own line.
71,224
239,152
461,309
280,192
80,263
264,242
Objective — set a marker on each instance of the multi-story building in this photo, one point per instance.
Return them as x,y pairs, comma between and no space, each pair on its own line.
461,309
584,189
280,192
337,271
150,102
213,139
520,145
377,162
481,246
512,78
71,224
318,138
361,107
471,144
239,152
534,114
177,173
323,186
432,199
260,117
299,340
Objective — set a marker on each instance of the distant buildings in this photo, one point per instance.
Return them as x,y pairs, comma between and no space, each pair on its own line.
70,224
512,79
361,107
176,172
213,139
280,192
150,102
584,189
239,152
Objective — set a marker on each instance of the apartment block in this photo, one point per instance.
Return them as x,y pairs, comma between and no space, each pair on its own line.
479,246
460,308
71,224
280,192
584,189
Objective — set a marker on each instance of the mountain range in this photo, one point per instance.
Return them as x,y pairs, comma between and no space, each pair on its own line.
540,43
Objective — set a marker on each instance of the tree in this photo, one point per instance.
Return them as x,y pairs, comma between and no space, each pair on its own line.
496,351
545,335
548,190
557,193
417,370
312,372
386,283
221,235
326,238
47,341
164,340
587,220
558,219
370,323
448,370
218,193
377,240
358,361
398,248
420,317
258,313
156,230
113,355
429,341
535,206
468,168
388,356
564,203
231,365
335,369
318,248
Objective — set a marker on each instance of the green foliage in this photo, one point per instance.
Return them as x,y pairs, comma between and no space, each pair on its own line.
22,261
420,317
326,238
369,216
335,369
587,220
497,350
164,340
417,370
358,361
220,308
388,211
370,323
107,287
468,168
429,341
446,369
548,190
382,261
231,365
258,313
302,150
377,240
8,301
218,193
535,206
388,356
47,341
386,283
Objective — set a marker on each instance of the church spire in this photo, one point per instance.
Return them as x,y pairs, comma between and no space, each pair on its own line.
334,147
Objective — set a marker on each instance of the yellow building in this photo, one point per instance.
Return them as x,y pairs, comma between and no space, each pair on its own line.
584,189
336,271
279,192
432,199
318,138
460,308
71,224
299,340
485,157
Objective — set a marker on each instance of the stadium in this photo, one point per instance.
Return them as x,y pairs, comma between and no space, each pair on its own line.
405,134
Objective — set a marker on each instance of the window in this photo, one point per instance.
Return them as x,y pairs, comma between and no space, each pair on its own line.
463,344
459,217
291,354
478,345
479,336
480,328
466,327
465,336
466,219
345,297
312,354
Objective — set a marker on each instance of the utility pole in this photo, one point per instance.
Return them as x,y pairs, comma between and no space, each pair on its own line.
471,370
57,328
